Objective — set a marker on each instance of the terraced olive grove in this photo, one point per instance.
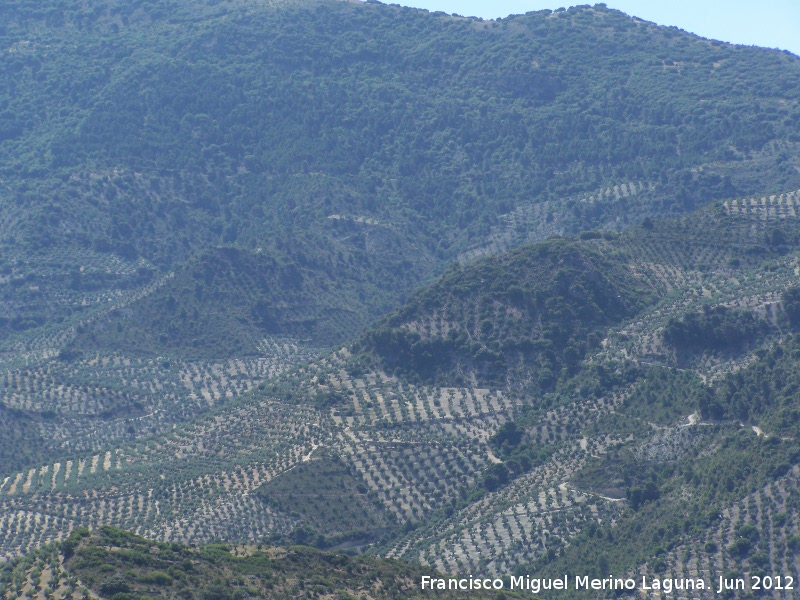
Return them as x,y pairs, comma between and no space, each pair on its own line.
500,297
435,472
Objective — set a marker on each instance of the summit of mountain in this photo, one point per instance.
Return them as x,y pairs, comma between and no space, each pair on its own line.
530,312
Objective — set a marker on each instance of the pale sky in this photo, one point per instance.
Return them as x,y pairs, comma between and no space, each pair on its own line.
769,23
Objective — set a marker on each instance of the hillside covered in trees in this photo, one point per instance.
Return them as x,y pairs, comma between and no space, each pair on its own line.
112,563
355,146
504,297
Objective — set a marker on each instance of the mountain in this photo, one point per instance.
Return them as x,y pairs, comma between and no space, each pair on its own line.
370,142
225,301
193,184
535,309
503,297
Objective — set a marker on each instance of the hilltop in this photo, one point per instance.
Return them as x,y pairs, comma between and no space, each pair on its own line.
537,309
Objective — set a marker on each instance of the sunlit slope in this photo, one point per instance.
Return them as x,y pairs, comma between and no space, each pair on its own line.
200,203
499,474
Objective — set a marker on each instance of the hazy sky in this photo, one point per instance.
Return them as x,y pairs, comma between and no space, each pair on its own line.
770,23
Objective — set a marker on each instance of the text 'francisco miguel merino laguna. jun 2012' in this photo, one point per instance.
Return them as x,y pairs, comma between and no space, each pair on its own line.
582,582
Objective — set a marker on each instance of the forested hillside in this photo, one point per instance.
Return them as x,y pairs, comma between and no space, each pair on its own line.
192,184
367,142
116,564
530,312
494,297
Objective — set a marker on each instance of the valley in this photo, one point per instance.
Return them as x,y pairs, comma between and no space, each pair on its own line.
431,293
422,458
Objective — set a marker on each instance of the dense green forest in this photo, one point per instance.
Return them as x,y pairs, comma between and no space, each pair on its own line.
115,564
368,142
